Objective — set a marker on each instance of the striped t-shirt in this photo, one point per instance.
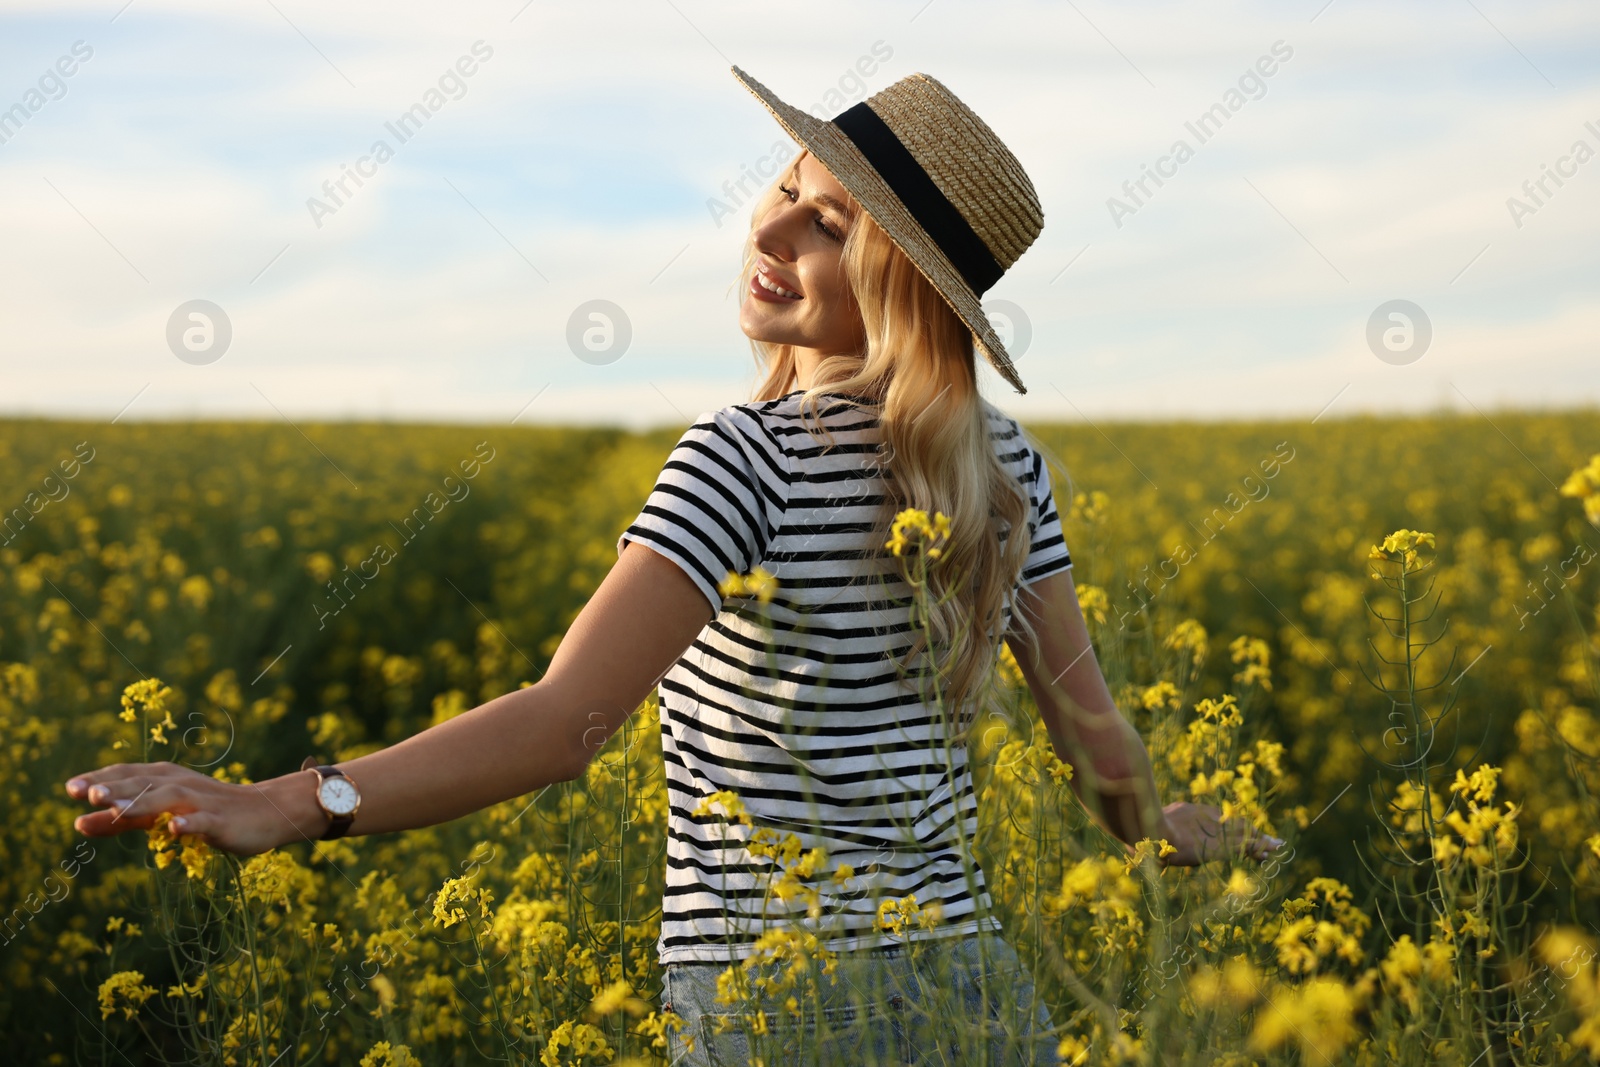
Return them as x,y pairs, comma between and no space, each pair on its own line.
797,706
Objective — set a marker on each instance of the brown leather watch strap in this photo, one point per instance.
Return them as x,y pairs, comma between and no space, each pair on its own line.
338,825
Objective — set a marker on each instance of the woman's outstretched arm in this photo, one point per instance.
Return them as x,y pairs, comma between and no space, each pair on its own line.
1111,766
635,627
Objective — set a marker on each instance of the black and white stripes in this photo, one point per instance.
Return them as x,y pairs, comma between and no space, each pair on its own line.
798,705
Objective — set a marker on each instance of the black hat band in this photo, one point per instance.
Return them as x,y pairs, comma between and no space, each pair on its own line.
931,208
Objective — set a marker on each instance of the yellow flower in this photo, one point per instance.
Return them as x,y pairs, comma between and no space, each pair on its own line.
275,878
759,583
158,732
1319,1015
894,915
1104,888
1304,940
1584,484
1158,847
1061,771
1009,669
1240,883
117,924
195,591
125,990
784,851
1570,952
1254,654
454,895
1445,850
1093,602
655,1027
912,528
1090,507
618,996
188,849
385,990
732,807
320,566
385,1055
1564,948
149,694
1485,832
1161,695
1406,807
1126,1048
584,1039
1235,985
188,989
1406,964
1401,547
1188,636
1073,1050
1481,785
760,974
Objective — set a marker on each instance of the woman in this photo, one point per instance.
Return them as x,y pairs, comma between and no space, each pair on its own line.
813,704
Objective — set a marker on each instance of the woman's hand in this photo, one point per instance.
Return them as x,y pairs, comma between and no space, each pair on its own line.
242,819
1199,834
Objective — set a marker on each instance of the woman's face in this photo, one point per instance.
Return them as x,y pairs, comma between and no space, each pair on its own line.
798,248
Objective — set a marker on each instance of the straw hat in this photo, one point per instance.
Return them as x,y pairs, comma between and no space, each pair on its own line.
937,179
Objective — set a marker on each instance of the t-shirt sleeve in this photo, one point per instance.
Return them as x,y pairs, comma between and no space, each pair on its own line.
1047,553
715,502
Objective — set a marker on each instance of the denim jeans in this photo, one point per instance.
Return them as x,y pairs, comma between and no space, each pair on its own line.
950,1000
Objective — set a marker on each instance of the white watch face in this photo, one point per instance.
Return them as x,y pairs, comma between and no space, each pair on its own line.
338,795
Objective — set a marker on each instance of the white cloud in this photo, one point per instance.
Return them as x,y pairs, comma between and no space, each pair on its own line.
593,137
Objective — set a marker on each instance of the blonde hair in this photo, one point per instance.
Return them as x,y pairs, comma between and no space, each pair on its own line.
919,370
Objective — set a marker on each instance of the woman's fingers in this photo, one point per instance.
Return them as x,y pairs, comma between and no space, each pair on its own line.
80,786
1258,845
245,820
1239,832
109,822
155,798
123,789
199,821
1236,836
134,807
1203,835
87,786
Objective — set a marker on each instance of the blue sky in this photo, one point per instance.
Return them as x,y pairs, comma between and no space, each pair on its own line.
578,160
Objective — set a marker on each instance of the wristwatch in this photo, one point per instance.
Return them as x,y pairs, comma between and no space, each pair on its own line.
336,794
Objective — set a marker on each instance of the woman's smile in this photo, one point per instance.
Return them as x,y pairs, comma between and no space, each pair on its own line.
769,286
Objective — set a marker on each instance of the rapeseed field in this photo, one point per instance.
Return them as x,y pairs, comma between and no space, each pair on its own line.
1375,638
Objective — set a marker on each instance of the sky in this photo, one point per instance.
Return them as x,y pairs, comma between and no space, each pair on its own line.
1441,154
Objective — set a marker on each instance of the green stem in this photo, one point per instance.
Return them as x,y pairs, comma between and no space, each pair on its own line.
255,967
488,980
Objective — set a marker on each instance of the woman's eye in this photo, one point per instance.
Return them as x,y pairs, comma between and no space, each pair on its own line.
821,225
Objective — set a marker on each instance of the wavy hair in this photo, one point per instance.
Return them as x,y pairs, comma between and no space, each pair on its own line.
918,370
